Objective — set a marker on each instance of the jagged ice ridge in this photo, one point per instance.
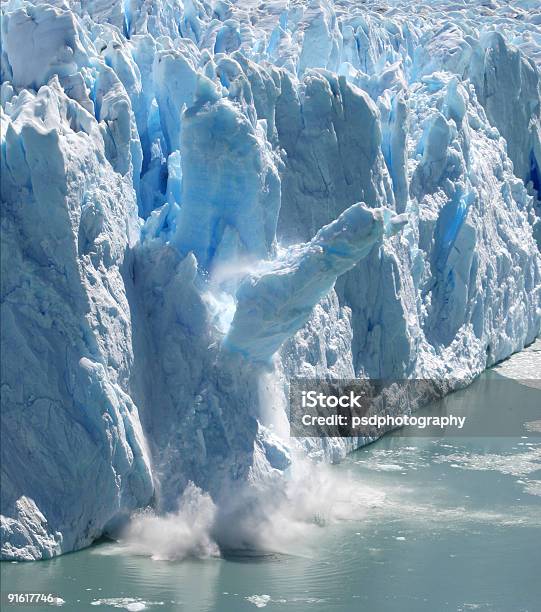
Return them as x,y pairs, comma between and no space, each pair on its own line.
203,199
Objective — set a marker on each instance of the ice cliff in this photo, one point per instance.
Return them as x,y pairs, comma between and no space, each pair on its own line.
203,199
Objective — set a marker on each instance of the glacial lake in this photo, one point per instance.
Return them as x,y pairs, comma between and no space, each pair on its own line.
451,522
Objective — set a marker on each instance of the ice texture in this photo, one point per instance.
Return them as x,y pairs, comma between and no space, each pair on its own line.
204,199
272,306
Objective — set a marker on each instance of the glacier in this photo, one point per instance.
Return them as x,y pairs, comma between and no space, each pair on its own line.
204,199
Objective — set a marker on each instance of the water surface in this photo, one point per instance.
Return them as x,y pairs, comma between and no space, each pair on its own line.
441,523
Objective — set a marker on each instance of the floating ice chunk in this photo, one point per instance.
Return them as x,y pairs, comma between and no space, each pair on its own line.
131,604
259,601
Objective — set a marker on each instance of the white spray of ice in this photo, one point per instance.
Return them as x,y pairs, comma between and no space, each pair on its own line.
176,535
279,517
287,517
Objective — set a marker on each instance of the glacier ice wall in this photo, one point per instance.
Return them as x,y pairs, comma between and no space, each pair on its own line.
203,199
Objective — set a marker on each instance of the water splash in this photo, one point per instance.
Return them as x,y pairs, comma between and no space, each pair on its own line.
176,535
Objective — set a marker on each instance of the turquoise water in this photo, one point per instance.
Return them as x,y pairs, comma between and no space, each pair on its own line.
444,523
